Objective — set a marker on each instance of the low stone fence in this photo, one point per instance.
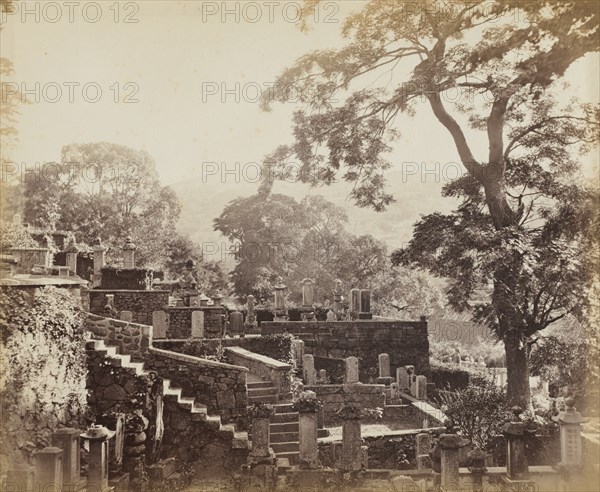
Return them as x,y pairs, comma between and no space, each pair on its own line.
131,338
334,396
269,369
221,387
193,321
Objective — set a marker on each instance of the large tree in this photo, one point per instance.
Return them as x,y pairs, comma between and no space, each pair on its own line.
508,235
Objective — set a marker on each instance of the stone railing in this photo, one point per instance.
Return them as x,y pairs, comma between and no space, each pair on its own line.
279,373
221,387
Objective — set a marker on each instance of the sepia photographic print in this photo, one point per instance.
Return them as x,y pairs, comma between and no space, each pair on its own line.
300,245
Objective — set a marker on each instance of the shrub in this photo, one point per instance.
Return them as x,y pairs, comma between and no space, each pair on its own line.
479,411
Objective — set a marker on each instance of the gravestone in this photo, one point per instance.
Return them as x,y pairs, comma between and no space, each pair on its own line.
197,324
421,385
384,365
351,370
160,324
236,323
331,316
308,370
355,302
308,292
403,379
126,316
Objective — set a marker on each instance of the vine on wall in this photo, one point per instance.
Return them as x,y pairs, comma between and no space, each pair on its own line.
43,369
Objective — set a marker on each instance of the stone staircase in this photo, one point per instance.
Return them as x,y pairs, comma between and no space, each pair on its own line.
284,425
198,411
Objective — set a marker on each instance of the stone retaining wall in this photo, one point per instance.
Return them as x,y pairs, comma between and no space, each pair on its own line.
405,341
141,303
221,387
130,338
180,321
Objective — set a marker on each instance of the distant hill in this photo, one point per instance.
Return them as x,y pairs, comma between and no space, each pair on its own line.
202,202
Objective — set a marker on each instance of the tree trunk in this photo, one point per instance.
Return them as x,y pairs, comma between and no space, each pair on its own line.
517,368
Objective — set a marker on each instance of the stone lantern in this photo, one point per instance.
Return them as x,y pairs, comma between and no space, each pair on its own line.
516,433
279,288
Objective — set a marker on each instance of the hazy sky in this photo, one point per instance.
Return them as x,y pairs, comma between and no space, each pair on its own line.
165,65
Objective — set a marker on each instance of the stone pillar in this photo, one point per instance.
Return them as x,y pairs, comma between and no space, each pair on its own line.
338,297
308,292
570,420
20,478
99,262
354,303
260,437
298,350
98,437
116,422
477,468
160,323
308,438
129,253
279,288
72,260
250,315
421,391
516,459
449,445
236,323
351,439
308,370
197,324
365,304
67,439
403,379
351,370
422,450
48,468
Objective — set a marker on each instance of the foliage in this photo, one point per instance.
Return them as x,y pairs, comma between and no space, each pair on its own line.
479,411
571,365
306,404
15,236
260,410
519,249
43,366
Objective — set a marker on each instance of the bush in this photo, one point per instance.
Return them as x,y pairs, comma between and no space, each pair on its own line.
479,411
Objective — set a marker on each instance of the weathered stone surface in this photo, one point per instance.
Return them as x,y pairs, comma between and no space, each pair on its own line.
384,365
141,303
351,370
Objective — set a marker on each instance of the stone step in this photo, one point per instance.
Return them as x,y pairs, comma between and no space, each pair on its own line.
284,427
283,408
283,465
280,418
260,384
283,437
161,470
267,391
292,456
213,421
285,447
263,399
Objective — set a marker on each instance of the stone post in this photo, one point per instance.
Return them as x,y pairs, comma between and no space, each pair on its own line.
67,439
48,468
250,315
308,370
403,379
422,450
421,385
570,420
449,445
516,459
116,422
351,370
308,434
236,323
279,288
298,350
261,422
365,304
351,438
308,292
129,253
99,262
98,437
20,478
354,303
338,297
477,468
